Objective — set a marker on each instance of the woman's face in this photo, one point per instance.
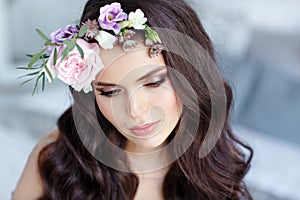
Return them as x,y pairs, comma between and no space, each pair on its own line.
135,94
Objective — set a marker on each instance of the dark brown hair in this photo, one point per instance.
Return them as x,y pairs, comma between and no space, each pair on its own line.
69,171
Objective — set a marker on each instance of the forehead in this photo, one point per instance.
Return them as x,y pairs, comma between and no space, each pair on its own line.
119,64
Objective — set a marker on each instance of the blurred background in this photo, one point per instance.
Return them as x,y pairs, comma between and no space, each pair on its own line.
258,49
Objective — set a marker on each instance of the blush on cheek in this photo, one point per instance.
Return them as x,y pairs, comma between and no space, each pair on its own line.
105,110
168,100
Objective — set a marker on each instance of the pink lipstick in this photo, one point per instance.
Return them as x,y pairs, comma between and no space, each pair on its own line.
145,129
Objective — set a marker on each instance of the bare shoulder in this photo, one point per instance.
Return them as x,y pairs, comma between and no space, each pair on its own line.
29,185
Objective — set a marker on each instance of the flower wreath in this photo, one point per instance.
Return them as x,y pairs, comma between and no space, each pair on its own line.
72,54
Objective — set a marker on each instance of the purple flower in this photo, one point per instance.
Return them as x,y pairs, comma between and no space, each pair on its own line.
110,15
61,35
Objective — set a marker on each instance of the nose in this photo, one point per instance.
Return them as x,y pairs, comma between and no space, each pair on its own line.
138,106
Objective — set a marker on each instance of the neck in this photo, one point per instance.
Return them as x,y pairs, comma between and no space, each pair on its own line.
155,163
157,174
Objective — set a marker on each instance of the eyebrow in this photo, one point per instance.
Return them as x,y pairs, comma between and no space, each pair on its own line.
154,71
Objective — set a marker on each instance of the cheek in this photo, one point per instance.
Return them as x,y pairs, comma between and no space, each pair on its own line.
104,107
169,102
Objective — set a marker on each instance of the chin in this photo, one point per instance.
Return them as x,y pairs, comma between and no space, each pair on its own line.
147,145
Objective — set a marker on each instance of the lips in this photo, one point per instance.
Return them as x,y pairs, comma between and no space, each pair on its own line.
145,129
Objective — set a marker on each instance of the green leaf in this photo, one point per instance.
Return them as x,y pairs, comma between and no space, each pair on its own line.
36,57
54,57
80,51
23,68
26,81
36,66
82,31
49,73
43,82
32,68
49,43
29,55
67,42
29,74
42,35
46,56
44,64
36,84
69,48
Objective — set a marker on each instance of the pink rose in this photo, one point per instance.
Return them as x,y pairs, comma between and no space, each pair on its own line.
74,70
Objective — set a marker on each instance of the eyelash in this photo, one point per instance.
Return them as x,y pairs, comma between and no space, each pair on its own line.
151,85
156,83
109,93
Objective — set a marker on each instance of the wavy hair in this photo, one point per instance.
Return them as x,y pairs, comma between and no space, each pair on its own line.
70,171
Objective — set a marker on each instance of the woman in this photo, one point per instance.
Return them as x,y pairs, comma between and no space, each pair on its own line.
156,126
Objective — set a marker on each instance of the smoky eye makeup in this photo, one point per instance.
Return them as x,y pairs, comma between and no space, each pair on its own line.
156,80
105,89
152,81
108,93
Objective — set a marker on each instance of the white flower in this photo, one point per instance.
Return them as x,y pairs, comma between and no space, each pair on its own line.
137,19
105,40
